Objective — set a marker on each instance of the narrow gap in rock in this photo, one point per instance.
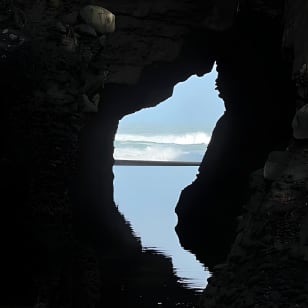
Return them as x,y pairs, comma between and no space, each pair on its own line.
177,130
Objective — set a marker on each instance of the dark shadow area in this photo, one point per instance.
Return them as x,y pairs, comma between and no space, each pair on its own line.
255,84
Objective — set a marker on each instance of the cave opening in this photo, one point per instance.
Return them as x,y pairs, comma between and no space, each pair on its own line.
176,131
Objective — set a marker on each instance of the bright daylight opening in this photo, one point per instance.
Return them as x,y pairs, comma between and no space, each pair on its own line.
178,129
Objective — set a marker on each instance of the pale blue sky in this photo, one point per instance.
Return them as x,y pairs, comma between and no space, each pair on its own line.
194,106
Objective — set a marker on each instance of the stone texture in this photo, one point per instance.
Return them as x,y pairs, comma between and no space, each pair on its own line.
267,264
60,226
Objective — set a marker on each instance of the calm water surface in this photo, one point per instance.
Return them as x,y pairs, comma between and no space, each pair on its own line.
147,197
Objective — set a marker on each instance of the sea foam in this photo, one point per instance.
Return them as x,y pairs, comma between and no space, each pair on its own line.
186,138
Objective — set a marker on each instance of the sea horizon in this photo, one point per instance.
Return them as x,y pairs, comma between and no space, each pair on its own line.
189,146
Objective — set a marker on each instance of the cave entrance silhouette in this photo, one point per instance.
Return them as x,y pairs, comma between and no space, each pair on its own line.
157,153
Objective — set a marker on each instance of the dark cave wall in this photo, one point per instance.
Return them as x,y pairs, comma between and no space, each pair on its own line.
255,81
59,220
268,249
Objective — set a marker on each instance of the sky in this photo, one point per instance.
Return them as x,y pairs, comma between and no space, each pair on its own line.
177,129
193,107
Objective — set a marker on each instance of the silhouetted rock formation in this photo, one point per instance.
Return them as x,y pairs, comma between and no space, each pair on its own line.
268,262
64,87
255,82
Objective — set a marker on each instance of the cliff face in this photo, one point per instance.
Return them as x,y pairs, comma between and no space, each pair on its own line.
267,263
64,87
254,79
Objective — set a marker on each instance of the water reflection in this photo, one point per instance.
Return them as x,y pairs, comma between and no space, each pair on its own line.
154,284
189,272
148,203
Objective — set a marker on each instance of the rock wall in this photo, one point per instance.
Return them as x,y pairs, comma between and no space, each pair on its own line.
267,266
64,87
255,82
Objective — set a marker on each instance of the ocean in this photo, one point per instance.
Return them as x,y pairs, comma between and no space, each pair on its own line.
165,147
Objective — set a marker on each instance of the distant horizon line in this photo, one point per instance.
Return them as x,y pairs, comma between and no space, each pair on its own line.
131,162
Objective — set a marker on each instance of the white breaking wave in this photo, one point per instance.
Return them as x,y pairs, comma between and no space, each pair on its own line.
148,153
187,138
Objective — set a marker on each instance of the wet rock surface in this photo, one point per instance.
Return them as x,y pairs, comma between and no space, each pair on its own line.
267,265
